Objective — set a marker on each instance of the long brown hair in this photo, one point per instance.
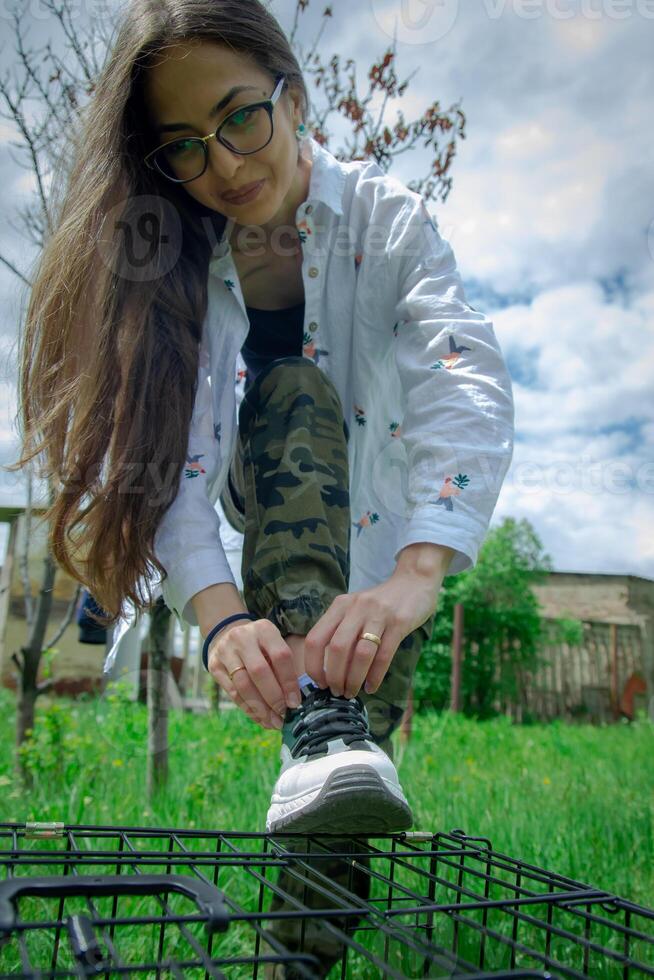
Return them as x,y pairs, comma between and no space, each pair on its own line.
109,357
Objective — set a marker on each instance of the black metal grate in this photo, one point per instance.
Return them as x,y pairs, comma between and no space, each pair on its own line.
79,901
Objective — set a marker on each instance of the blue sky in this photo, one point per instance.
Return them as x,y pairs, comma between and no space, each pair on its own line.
551,219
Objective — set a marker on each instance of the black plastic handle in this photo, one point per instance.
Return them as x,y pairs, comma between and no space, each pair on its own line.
208,899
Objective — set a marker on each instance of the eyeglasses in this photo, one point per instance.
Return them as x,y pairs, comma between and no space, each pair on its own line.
246,130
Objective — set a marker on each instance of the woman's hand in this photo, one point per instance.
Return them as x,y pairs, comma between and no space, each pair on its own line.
269,682
334,654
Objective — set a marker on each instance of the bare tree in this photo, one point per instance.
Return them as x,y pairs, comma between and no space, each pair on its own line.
158,679
59,84
37,615
372,137
43,77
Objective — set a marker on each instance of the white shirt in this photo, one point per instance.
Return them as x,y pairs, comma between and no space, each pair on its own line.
425,390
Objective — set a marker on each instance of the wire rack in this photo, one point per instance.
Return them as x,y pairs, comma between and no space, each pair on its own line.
80,901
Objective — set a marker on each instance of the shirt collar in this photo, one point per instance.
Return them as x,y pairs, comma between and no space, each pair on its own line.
326,186
327,177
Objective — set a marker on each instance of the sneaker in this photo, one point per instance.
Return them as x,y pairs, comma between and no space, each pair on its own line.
334,777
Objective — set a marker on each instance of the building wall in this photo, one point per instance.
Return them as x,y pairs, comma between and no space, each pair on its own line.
602,679
76,666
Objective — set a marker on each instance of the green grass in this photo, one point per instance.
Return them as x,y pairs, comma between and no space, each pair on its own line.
577,800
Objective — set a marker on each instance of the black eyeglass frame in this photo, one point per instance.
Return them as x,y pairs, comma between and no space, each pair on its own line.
267,104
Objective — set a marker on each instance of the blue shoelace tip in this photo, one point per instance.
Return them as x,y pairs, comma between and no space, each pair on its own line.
307,684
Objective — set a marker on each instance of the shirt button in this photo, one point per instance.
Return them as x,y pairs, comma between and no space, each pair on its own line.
313,272
313,326
308,209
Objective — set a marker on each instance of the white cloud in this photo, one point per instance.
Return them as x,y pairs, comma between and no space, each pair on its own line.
583,467
581,34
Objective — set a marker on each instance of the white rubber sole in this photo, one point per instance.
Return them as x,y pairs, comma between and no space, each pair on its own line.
353,799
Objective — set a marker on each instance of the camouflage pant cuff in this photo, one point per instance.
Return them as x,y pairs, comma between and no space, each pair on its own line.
299,614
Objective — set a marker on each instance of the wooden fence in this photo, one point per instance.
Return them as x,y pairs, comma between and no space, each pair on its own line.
601,680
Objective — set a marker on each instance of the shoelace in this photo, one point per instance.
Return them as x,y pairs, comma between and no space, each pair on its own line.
324,716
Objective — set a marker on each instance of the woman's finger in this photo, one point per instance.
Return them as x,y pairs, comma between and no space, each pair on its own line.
271,722
238,684
257,684
254,709
319,636
364,655
391,639
350,669
281,659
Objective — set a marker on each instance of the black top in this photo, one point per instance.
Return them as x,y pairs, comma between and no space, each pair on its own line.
273,333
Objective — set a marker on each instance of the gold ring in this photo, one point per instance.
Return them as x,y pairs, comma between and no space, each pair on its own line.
371,636
231,673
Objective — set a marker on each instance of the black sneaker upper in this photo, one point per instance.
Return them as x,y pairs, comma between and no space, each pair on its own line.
321,717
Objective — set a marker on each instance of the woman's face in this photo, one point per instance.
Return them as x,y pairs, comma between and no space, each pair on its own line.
181,89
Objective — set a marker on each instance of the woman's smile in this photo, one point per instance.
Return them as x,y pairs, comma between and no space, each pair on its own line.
248,196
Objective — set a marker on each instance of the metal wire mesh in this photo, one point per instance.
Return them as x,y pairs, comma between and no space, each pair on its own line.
79,901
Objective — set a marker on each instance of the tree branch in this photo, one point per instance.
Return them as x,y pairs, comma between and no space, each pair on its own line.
17,272
66,620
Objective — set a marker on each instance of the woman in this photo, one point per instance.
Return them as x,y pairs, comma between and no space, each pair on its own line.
357,424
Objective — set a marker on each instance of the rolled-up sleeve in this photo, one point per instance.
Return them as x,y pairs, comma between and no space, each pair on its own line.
458,425
187,541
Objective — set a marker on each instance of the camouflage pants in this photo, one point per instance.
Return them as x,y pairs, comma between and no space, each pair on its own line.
288,493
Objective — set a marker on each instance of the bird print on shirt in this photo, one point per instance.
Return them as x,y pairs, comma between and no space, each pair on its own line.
304,230
452,487
359,415
309,348
395,430
449,360
195,467
368,519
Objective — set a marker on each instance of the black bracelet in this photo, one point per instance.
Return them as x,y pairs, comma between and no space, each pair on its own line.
216,629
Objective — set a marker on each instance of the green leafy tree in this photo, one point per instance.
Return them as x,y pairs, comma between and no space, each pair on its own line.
502,623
